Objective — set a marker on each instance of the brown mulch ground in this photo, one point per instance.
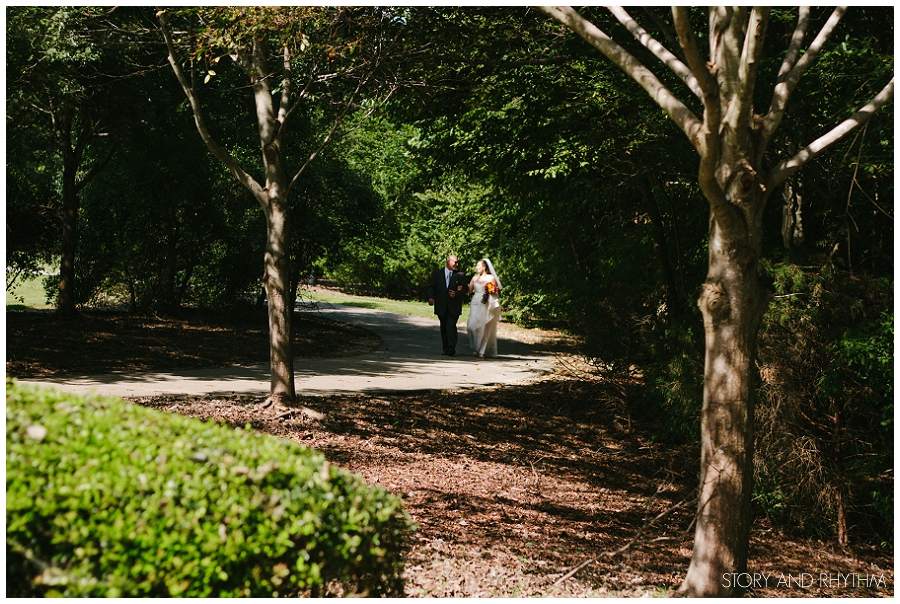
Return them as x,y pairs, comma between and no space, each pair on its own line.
512,487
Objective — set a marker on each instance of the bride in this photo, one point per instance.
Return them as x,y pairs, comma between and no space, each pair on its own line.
484,312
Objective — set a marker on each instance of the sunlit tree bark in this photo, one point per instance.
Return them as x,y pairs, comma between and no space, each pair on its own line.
731,139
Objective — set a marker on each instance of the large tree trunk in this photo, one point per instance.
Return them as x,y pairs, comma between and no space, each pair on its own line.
732,303
731,140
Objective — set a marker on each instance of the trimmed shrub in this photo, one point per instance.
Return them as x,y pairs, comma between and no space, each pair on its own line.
109,499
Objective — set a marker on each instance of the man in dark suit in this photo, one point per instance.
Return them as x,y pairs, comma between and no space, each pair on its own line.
446,290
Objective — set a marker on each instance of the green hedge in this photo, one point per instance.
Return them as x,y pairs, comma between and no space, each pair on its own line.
109,499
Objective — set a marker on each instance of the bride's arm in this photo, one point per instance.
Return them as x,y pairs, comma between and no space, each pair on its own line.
472,285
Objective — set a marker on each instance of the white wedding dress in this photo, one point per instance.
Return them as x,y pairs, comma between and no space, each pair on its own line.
483,321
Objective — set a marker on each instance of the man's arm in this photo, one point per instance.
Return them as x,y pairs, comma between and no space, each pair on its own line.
457,280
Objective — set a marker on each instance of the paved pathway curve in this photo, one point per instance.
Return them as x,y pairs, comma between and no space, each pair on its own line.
408,359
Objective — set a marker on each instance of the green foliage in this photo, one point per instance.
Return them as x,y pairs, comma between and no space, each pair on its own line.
884,506
528,151
673,374
825,414
414,221
109,499
220,29
768,494
334,213
32,225
163,225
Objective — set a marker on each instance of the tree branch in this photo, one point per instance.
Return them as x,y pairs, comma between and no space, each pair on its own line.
98,166
725,41
222,155
785,169
788,79
683,117
334,126
629,544
667,32
85,131
660,51
705,79
284,105
262,94
708,138
742,105
793,52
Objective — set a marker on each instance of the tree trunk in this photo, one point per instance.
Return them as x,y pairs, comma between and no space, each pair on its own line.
182,288
732,303
168,299
277,283
63,121
792,218
66,303
274,108
731,140
72,154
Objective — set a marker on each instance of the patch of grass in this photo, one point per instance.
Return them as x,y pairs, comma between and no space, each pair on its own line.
27,293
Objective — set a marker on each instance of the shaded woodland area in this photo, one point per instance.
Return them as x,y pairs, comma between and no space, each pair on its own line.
389,138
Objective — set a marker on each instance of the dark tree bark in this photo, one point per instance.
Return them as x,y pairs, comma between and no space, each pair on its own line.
72,147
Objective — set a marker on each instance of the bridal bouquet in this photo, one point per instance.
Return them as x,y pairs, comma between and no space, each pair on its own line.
489,288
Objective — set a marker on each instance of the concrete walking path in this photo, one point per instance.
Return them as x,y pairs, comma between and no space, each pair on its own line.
408,359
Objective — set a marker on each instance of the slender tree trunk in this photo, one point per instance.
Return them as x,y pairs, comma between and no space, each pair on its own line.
277,283
168,297
71,158
66,303
792,218
182,288
72,146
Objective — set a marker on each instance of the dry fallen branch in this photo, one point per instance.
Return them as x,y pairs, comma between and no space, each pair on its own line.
634,540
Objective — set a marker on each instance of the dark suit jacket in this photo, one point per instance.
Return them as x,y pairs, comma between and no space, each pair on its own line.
437,289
